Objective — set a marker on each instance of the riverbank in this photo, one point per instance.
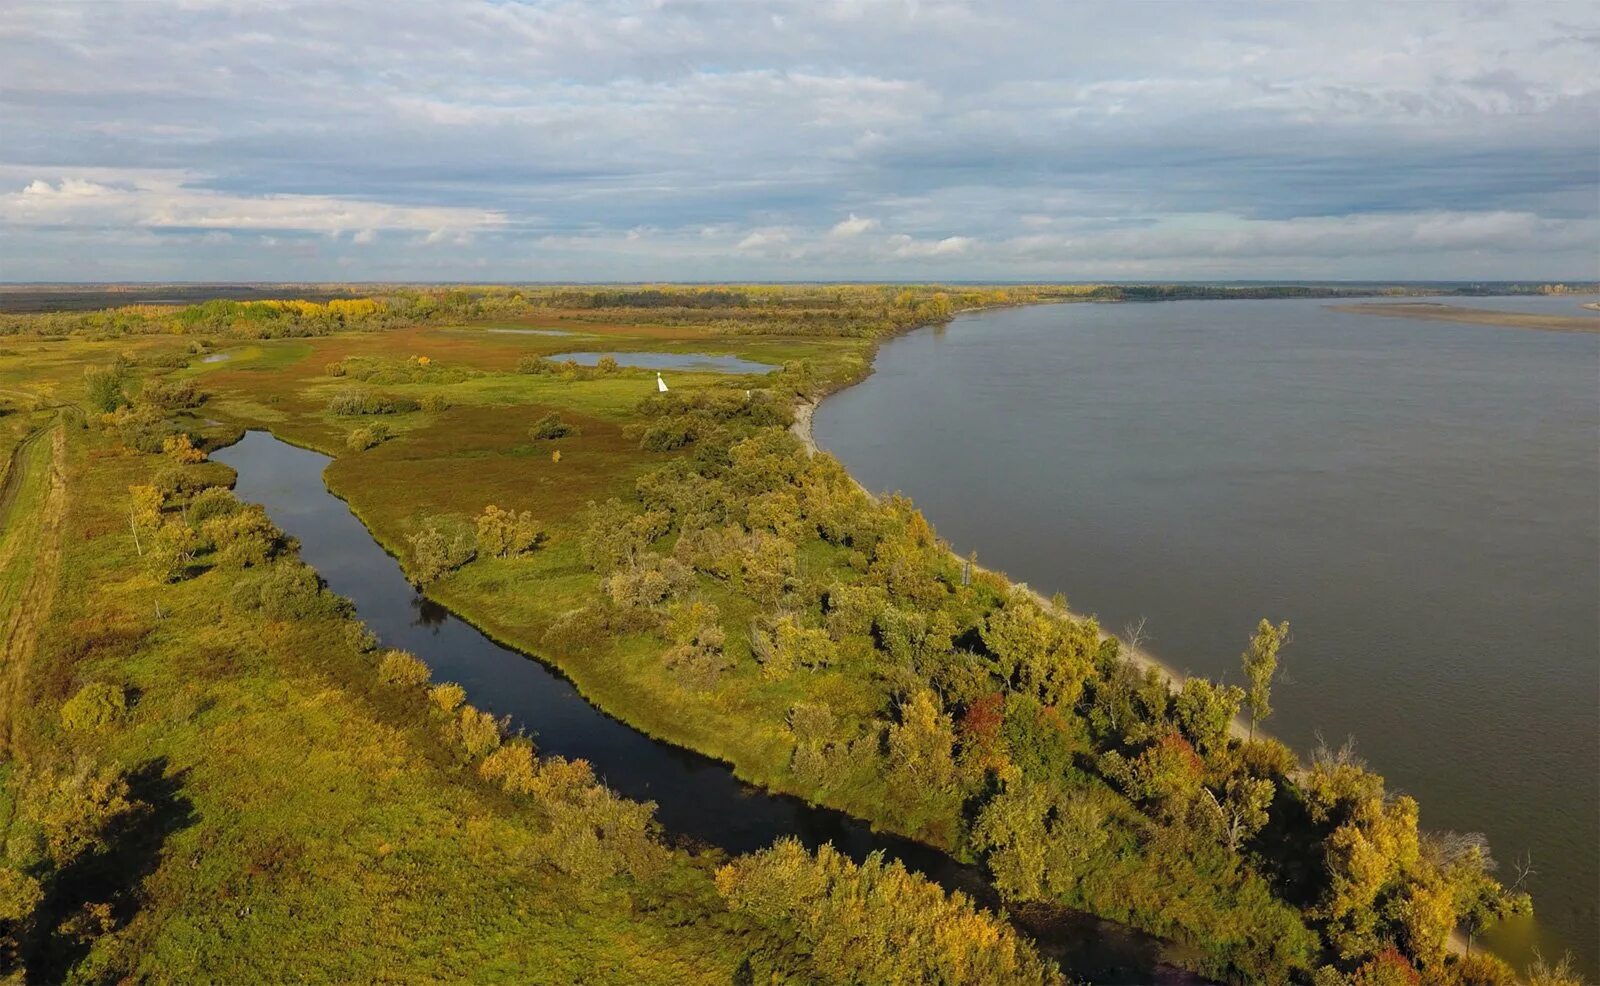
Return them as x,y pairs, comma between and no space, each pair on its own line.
804,412
1433,311
1115,453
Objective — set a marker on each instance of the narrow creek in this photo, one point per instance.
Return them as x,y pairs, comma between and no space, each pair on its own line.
697,798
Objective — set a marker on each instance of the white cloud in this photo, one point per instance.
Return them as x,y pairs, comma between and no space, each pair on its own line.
171,201
906,246
853,226
763,240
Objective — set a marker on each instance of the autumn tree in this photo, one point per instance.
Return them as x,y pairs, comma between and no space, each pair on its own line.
1205,713
1260,663
875,922
921,747
439,548
503,533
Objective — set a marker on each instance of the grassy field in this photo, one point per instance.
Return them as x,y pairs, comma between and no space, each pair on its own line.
699,576
195,788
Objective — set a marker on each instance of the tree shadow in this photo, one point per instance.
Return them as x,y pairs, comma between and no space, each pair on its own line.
64,924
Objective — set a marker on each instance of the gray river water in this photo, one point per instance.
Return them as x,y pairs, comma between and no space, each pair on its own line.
1420,499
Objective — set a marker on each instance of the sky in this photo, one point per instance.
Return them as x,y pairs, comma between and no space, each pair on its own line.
611,140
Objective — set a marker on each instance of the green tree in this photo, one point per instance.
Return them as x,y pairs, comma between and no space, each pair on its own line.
921,746
1205,713
1260,663
103,388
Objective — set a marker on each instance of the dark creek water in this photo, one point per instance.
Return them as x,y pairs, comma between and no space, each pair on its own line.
1420,499
698,798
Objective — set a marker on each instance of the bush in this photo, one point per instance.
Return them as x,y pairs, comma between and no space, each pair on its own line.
171,395
649,581
244,538
96,705
289,591
434,403
440,548
477,732
103,388
551,426
356,400
368,436
216,501
403,670
513,766
503,533
447,698
853,921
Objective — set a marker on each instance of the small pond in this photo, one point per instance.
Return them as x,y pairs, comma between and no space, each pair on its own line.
699,362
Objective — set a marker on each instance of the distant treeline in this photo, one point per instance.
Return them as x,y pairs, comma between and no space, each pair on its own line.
832,310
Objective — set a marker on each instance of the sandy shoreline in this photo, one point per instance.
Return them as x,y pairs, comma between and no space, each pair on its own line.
1437,312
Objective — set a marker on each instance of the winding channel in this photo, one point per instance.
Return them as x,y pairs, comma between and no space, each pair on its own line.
699,800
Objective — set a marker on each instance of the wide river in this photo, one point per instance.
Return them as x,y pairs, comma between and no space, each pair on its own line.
1421,500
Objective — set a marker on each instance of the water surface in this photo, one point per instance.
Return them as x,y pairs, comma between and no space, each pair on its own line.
696,797
671,361
1420,499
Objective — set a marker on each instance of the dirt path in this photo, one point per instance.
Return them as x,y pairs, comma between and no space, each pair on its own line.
35,542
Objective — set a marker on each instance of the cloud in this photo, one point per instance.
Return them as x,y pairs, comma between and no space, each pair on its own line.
636,139
853,226
172,201
906,246
763,240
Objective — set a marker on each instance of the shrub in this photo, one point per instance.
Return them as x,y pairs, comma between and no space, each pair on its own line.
337,369
513,766
244,538
356,400
19,895
359,636
698,659
96,705
288,591
171,395
103,388
367,436
215,501
171,551
477,732
76,811
551,426
853,921
503,533
440,548
434,403
649,581
447,697
403,670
